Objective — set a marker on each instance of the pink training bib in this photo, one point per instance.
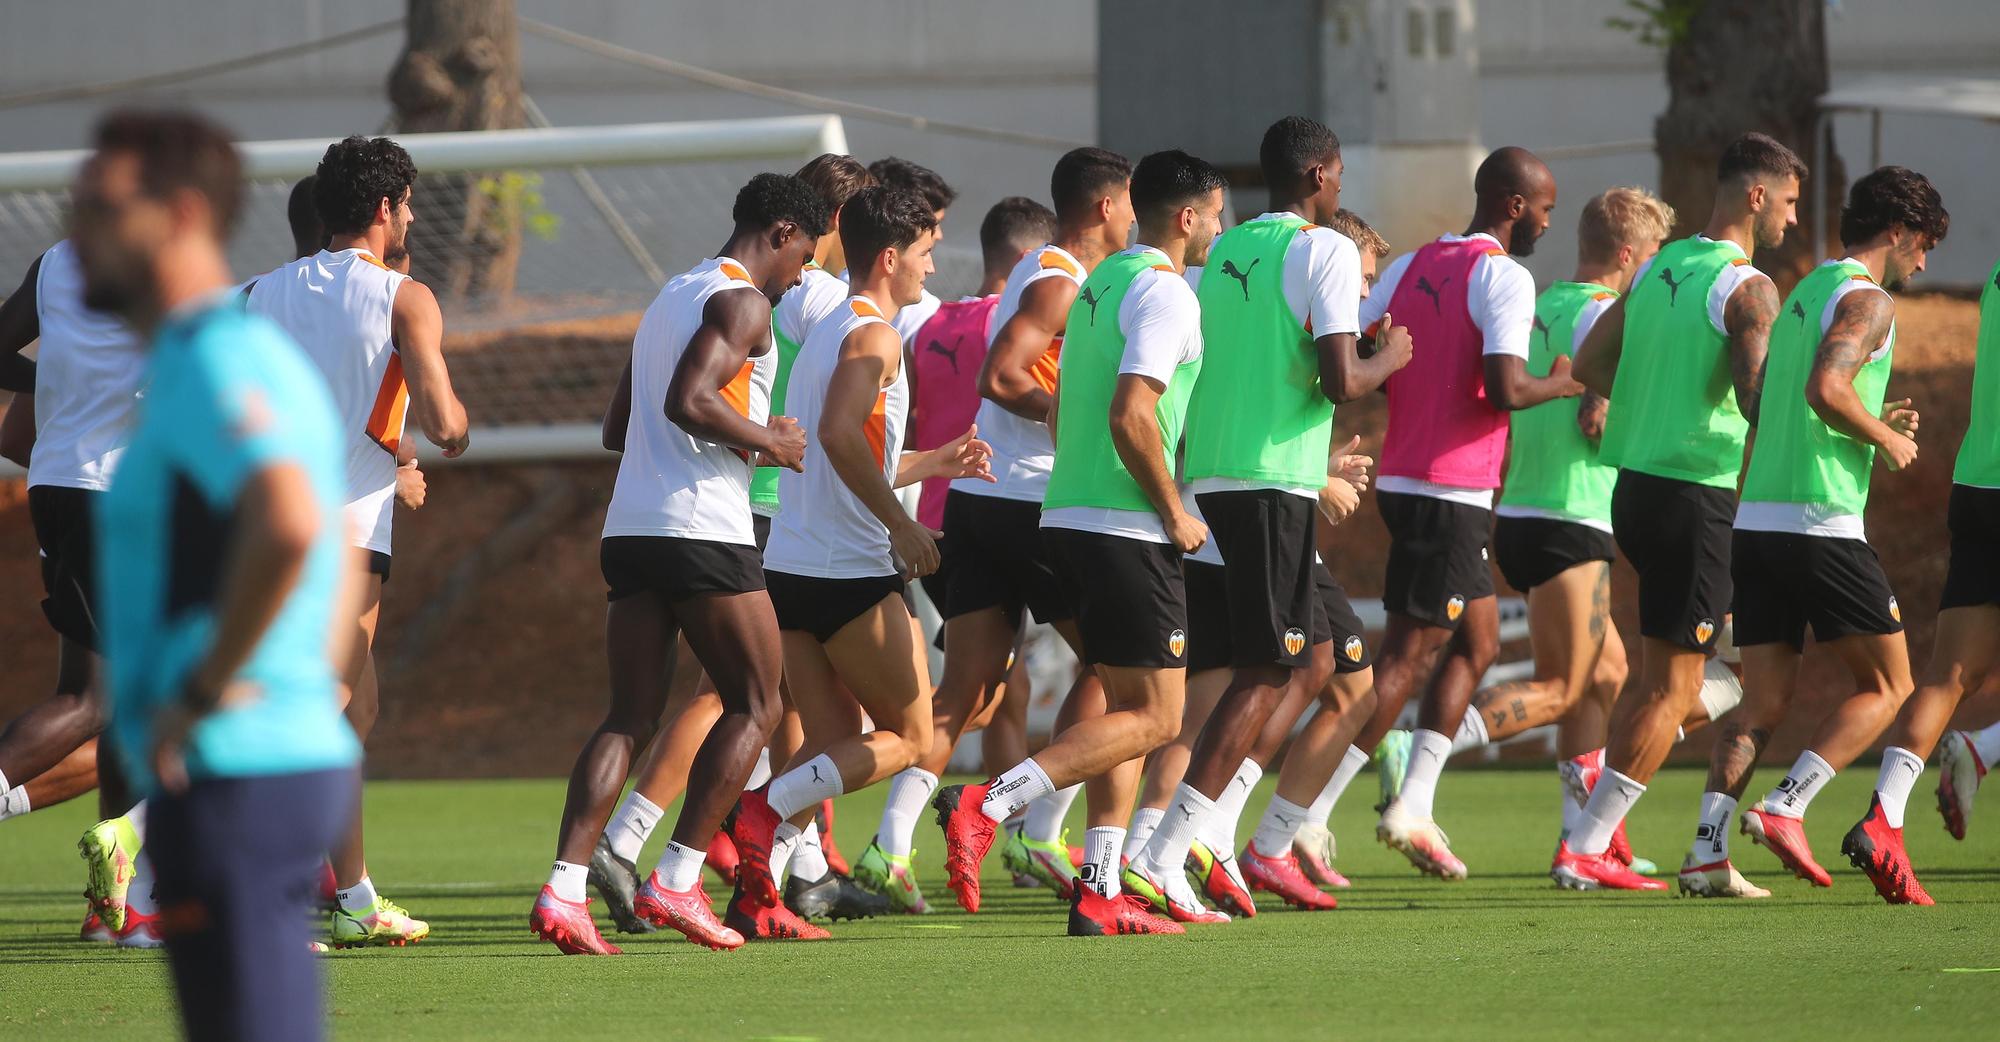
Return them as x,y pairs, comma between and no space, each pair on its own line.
1441,427
948,349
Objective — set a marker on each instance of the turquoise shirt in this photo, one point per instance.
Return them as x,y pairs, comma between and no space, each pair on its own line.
226,395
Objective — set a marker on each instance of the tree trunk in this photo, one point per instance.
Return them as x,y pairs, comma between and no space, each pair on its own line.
461,70
1746,65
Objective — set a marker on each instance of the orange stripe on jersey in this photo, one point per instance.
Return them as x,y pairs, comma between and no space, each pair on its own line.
1737,262
1602,296
865,308
1163,267
735,272
392,405
737,391
876,429
1047,367
1053,259
372,259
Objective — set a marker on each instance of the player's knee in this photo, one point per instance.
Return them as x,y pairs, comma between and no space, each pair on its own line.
1481,648
764,707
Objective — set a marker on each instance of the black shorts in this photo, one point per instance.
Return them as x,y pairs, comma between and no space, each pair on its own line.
1677,535
1334,620
1208,616
1130,600
676,569
760,530
1437,557
378,564
996,559
62,520
1266,540
1532,550
1785,580
822,606
1974,575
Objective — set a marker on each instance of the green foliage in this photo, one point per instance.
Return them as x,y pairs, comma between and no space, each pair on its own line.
517,204
1658,23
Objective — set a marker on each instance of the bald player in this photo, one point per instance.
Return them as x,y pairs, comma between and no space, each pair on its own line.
1470,309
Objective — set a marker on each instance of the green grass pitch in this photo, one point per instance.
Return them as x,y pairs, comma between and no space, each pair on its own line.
1503,955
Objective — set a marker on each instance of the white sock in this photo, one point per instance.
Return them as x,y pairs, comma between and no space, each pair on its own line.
1044,820
137,817
1166,853
357,898
1219,831
1796,790
1986,742
809,857
567,881
139,899
1280,825
680,867
761,773
909,792
1610,801
1471,732
1352,763
1144,821
1900,770
1428,750
1018,786
805,786
1711,835
14,801
1101,847
632,825
783,842
1570,811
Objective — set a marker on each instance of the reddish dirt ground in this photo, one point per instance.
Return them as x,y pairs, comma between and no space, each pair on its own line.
491,647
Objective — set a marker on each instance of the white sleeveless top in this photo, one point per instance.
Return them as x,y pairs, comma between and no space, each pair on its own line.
825,530
88,372
1023,452
672,483
337,306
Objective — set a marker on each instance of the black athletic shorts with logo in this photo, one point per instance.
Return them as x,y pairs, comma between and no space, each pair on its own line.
1677,536
1786,581
996,558
1128,595
1532,550
822,606
1208,615
1266,540
378,564
675,569
760,530
1437,557
1335,620
62,520
1974,575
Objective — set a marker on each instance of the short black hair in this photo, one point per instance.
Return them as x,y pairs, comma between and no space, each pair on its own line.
176,151
1889,197
898,172
1164,182
354,176
1292,146
1085,175
836,178
1013,226
778,198
308,234
882,218
1753,154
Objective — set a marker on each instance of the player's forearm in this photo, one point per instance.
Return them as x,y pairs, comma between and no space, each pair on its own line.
274,527
1596,366
442,418
1137,441
1833,399
1021,395
708,417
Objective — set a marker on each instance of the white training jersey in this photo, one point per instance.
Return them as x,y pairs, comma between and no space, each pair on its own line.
672,483
825,531
88,375
1023,452
817,295
337,305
